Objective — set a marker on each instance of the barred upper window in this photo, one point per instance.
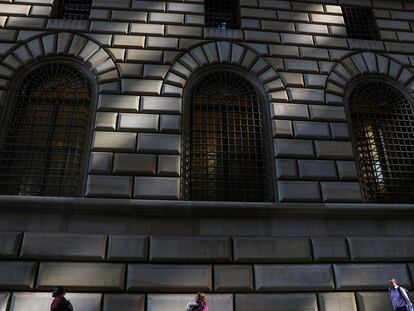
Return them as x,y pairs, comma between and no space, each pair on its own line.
226,157
383,127
222,14
71,9
360,23
42,150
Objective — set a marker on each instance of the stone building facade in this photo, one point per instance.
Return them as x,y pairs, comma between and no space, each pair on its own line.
320,97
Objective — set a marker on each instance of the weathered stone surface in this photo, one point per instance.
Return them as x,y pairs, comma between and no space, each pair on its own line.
63,246
308,130
41,301
341,192
115,141
286,169
293,148
270,250
161,104
337,302
329,249
9,244
190,249
16,275
169,278
276,278
216,302
368,276
375,249
118,103
347,170
165,143
230,278
373,301
124,302
276,302
130,248
109,186
317,170
289,191
334,150
290,111
134,164
168,165
81,276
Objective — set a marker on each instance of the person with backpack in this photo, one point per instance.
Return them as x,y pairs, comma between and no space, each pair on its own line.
399,297
59,302
200,303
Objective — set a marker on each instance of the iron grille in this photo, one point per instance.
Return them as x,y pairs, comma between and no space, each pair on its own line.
224,147
71,9
222,14
45,137
383,126
360,23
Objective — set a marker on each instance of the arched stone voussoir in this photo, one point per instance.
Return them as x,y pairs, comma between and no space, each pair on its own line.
61,44
221,52
366,63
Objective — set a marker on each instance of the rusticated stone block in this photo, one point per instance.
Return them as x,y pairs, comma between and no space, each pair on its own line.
375,249
230,278
4,300
190,249
373,301
41,301
81,276
109,186
160,302
270,250
329,249
169,278
15,275
124,302
118,103
157,188
298,191
134,164
293,148
368,276
317,170
279,278
9,244
341,192
166,143
131,248
62,246
337,302
114,141
334,150
276,302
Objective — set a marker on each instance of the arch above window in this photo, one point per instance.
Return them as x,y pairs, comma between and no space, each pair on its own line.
46,132
383,129
226,153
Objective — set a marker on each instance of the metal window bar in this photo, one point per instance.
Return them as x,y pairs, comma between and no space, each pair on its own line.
222,14
42,150
71,9
383,126
225,154
360,23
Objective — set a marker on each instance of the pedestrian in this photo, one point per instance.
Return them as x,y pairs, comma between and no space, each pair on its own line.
200,303
59,302
399,297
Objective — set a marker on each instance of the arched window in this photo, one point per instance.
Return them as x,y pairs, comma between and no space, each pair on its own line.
226,157
383,127
43,144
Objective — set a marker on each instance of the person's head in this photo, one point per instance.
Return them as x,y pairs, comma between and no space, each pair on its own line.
58,291
392,282
202,297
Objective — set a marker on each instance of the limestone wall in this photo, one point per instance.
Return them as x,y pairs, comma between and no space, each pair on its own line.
142,53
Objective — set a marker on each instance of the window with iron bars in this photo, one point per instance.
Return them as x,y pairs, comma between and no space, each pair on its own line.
222,14
43,146
383,127
360,23
71,9
226,157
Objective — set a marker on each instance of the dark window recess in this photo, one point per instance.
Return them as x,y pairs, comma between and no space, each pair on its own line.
44,142
360,23
222,14
71,9
225,153
383,127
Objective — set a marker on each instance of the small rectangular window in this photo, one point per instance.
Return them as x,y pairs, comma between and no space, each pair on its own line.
71,9
360,23
222,14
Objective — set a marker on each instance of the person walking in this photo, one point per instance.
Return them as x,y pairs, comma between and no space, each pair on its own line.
200,303
399,297
59,302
